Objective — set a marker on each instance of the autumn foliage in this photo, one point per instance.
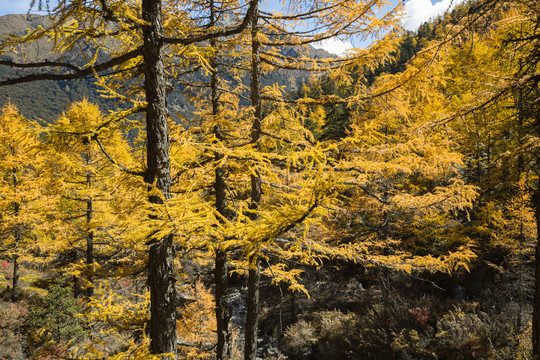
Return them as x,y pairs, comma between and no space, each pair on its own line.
379,174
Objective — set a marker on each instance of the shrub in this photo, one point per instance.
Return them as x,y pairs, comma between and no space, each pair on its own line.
53,323
329,335
471,335
12,316
299,339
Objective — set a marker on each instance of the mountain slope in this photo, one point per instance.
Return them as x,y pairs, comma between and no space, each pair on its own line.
45,100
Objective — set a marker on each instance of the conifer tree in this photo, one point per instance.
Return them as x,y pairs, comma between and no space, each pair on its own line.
22,204
250,154
266,159
486,63
84,178
287,157
497,99
142,30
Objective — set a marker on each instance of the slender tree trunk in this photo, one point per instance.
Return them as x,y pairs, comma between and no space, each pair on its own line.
161,253
536,300
256,103
221,276
536,204
89,291
252,316
162,298
223,313
89,239
15,279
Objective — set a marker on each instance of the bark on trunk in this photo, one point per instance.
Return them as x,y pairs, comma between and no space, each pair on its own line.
255,80
18,236
162,298
223,313
221,276
256,103
536,205
252,317
536,301
161,253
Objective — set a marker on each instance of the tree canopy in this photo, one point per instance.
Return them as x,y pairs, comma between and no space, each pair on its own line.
416,155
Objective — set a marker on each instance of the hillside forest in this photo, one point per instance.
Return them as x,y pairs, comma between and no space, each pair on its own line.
217,189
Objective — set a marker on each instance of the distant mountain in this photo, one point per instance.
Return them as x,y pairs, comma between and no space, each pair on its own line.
42,100
46,100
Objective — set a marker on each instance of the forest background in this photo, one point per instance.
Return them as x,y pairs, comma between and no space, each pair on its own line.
385,203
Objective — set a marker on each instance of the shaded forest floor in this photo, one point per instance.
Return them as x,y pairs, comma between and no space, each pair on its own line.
353,313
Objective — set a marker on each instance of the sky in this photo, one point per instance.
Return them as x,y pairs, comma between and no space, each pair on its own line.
417,12
14,6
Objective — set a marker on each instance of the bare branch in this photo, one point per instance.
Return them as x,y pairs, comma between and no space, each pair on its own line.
224,32
131,172
79,73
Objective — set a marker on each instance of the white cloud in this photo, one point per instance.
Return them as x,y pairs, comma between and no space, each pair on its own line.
420,11
334,46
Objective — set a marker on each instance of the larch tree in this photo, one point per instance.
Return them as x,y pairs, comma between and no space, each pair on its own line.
274,152
261,142
481,79
493,66
140,26
86,181
22,205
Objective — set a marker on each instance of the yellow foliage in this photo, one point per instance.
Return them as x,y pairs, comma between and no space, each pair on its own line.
197,326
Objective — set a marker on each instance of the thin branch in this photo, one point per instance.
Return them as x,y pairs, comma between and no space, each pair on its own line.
79,73
131,172
224,32
45,63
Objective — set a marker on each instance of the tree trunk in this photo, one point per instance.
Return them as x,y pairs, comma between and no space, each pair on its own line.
161,253
18,236
89,241
256,103
15,279
536,206
89,291
162,298
221,276
536,300
223,313
252,316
